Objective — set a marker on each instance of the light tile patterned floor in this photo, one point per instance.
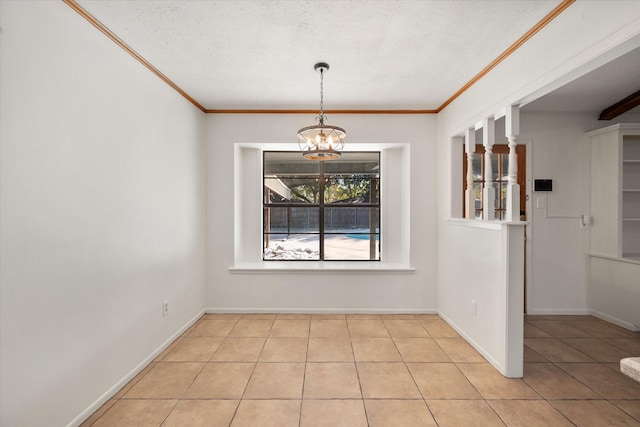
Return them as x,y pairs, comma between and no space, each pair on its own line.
265,370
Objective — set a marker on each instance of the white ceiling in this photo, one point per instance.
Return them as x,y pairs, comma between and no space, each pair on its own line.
597,89
260,54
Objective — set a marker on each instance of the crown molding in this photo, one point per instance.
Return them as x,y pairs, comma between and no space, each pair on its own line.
117,40
529,34
515,46
277,111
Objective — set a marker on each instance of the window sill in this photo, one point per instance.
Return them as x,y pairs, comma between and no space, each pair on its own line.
480,223
314,267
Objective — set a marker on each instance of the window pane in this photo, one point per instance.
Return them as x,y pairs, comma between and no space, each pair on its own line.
477,189
288,164
494,167
352,247
291,220
355,164
492,202
497,192
351,220
477,167
504,173
292,247
280,189
351,189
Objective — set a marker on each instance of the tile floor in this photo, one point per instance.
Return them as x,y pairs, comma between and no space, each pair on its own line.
377,370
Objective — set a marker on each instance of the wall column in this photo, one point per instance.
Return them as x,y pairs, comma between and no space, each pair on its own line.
489,191
470,194
512,130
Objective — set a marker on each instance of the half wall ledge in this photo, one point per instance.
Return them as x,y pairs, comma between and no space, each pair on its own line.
478,223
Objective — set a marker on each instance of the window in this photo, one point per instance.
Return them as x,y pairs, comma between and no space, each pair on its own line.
500,169
321,210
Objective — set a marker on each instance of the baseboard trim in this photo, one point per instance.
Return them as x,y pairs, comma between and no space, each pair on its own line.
584,312
474,344
322,310
135,371
559,311
615,321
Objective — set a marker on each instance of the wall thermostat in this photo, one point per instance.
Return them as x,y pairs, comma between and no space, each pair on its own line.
542,185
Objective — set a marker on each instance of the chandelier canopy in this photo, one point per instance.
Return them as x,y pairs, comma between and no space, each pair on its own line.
321,142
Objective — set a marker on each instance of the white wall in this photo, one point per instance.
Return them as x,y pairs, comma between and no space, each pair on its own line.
494,325
320,291
559,247
614,291
573,43
101,215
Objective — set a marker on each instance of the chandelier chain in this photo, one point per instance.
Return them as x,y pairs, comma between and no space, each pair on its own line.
321,116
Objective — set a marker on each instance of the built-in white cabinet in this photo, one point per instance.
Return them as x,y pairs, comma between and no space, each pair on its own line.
631,197
615,191
614,267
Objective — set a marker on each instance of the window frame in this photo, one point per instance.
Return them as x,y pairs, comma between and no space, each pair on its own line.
375,248
501,151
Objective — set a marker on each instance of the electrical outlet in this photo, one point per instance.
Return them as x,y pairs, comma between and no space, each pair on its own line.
474,307
165,308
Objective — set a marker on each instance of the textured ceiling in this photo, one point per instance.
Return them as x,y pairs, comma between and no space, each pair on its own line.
260,54
597,89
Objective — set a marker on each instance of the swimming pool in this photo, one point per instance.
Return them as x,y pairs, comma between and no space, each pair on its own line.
361,236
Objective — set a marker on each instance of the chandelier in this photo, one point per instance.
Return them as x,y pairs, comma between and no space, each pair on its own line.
321,142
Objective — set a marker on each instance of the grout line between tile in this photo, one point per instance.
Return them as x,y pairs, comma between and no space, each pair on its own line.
169,413
115,400
355,363
252,371
304,374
